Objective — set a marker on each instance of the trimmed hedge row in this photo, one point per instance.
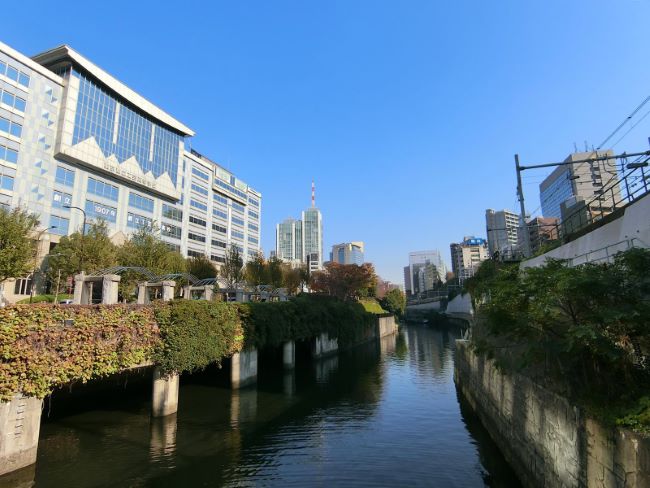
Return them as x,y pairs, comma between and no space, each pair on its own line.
45,346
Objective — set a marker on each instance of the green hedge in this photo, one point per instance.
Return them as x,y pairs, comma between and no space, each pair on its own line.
303,317
196,333
44,346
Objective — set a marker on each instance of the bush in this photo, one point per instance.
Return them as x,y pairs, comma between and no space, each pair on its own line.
303,317
45,346
196,333
45,298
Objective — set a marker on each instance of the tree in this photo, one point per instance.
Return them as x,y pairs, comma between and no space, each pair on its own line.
275,272
291,279
394,302
232,271
17,248
256,272
77,252
201,267
345,281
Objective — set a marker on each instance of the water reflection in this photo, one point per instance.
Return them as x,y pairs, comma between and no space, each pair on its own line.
383,414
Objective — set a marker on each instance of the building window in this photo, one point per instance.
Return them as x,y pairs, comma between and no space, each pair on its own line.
12,100
218,243
195,237
9,155
237,234
61,200
253,214
220,199
64,176
14,74
198,221
100,211
138,201
219,228
170,231
6,181
13,128
220,214
253,227
23,286
199,205
218,259
195,254
59,225
173,247
238,221
136,221
252,240
200,174
172,213
102,189
200,189
253,201
238,207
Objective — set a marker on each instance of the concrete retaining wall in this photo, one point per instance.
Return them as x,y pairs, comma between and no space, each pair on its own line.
20,424
549,442
386,326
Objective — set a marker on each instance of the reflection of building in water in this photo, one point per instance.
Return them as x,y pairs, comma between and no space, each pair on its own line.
432,351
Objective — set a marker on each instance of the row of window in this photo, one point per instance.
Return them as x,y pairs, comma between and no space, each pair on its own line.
6,182
14,74
254,215
103,189
141,202
200,174
218,243
219,228
238,221
136,221
12,100
199,205
220,199
253,201
13,128
237,234
64,176
196,237
170,231
220,214
230,188
9,155
237,206
200,189
198,221
172,213
253,227
218,259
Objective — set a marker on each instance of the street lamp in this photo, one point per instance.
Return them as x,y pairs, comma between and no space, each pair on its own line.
38,240
83,235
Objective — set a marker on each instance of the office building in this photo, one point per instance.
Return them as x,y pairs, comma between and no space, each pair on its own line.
76,141
584,181
541,231
425,270
347,253
301,241
502,227
466,256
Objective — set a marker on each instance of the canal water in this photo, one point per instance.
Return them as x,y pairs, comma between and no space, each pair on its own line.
383,414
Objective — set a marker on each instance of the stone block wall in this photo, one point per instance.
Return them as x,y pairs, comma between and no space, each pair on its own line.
549,442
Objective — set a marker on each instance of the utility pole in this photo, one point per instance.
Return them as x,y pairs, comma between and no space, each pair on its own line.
522,207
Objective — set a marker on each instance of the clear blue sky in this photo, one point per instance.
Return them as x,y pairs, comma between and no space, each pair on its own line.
406,113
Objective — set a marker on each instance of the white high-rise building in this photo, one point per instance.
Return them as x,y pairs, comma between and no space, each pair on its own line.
502,227
425,269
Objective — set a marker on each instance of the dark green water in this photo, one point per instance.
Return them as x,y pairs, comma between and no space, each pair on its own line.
381,415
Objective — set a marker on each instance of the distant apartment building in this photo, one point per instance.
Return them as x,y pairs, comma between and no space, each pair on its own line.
383,287
301,241
502,227
425,270
466,256
581,181
347,253
541,231
75,142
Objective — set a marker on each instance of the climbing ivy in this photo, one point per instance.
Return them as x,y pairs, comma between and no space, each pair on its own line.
44,346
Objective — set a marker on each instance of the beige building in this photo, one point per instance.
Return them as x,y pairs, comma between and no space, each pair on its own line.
348,253
466,256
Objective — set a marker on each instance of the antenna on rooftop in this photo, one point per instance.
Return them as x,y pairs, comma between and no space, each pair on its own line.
313,194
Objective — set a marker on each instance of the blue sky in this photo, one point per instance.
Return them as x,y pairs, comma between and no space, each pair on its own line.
405,113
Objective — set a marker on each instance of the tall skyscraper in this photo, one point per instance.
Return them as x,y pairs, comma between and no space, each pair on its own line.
466,256
502,227
347,253
581,181
425,269
301,241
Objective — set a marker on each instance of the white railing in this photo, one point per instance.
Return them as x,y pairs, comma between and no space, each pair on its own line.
606,254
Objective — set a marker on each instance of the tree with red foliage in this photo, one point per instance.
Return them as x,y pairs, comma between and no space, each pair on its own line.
344,281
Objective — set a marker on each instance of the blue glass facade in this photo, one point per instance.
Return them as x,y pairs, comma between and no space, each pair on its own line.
557,192
95,117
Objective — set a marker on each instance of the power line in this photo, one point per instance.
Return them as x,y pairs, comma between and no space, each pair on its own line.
627,119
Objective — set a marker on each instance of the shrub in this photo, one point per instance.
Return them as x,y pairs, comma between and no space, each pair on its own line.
196,333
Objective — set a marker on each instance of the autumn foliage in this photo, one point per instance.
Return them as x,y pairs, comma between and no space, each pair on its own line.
345,281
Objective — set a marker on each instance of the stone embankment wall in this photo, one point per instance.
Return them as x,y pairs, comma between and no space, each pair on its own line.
386,325
548,442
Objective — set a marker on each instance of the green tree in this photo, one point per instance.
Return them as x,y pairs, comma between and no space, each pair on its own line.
394,302
291,279
17,247
77,252
201,267
232,271
256,272
275,274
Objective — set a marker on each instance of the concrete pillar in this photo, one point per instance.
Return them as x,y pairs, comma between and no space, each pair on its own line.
165,394
163,437
289,355
143,294
187,292
168,290
20,423
324,346
110,284
82,293
244,368
207,292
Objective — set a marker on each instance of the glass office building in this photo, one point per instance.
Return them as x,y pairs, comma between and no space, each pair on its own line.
72,135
